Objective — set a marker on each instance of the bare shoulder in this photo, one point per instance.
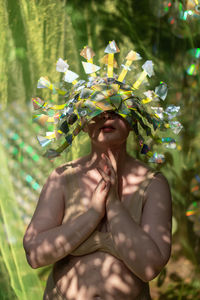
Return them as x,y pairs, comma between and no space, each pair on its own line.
138,168
50,207
67,171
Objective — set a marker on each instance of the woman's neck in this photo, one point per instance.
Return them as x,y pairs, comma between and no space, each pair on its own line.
119,152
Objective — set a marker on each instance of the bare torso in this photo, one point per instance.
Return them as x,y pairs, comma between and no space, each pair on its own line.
98,275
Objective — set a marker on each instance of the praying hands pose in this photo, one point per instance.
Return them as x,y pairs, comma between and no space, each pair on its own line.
103,221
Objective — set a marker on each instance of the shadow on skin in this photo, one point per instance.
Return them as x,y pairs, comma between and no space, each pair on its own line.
86,276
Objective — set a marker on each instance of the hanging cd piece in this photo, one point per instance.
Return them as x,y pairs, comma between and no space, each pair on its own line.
192,62
185,19
193,214
160,8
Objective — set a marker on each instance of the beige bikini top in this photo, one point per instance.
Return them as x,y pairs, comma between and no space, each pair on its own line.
102,241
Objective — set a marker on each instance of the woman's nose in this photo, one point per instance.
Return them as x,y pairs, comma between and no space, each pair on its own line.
107,115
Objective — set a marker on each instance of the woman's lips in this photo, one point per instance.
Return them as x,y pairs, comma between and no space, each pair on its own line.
107,129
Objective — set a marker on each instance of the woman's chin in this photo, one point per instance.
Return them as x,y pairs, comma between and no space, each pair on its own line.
107,142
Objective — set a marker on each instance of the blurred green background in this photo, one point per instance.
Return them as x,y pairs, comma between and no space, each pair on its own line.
34,34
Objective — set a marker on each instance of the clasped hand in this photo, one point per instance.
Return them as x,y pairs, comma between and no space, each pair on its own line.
107,190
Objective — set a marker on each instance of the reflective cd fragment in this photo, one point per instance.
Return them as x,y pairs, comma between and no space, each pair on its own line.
148,68
61,65
112,48
70,76
185,19
175,126
90,68
160,8
195,186
161,90
172,111
192,61
193,212
157,158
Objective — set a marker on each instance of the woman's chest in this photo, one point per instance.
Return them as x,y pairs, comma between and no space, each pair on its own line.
79,192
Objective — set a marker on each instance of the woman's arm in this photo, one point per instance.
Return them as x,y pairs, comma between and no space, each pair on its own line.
47,240
144,248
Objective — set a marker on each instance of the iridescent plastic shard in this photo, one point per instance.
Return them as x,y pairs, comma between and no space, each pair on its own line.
43,82
43,141
193,214
132,55
70,76
195,53
148,68
172,111
169,142
37,103
112,48
157,158
158,111
175,126
87,53
160,7
192,69
90,68
193,211
195,186
40,119
61,65
162,90
150,96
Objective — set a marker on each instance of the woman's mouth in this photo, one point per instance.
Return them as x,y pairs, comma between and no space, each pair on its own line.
107,129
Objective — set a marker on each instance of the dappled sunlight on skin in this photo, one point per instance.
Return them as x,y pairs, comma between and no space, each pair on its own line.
114,282
87,274
100,270
149,272
109,280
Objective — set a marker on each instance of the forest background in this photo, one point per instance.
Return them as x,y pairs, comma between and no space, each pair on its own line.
34,34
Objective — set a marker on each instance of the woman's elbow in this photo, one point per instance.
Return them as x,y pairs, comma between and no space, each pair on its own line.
32,263
31,255
31,259
150,272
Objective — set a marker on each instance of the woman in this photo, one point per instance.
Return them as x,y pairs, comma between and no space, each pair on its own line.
103,220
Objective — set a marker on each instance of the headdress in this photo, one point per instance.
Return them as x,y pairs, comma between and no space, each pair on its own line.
87,99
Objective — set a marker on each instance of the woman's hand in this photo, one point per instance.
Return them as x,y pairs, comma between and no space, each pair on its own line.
99,197
109,175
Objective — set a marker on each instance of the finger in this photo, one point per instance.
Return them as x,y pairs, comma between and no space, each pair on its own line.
113,174
107,160
105,176
102,186
111,163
